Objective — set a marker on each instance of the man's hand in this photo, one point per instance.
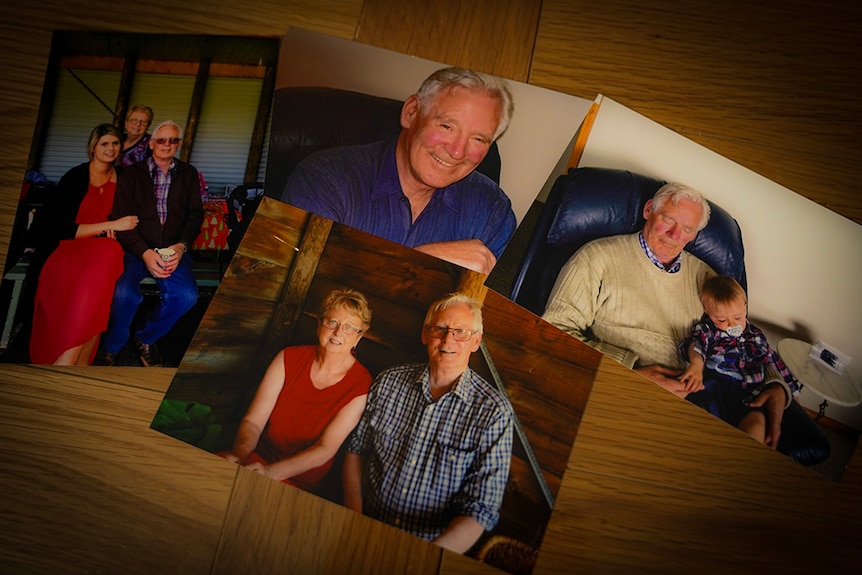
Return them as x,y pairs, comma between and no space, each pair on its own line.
692,377
665,377
461,533
172,262
470,254
155,264
774,399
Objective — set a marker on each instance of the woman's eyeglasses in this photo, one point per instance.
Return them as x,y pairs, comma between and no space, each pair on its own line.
333,324
163,141
144,122
458,334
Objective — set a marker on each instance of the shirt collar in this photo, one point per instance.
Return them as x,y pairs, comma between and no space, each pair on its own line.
461,388
674,266
388,182
151,164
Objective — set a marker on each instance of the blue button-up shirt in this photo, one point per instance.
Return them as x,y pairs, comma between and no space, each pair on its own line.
359,186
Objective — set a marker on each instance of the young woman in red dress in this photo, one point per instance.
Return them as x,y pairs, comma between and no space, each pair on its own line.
84,260
310,398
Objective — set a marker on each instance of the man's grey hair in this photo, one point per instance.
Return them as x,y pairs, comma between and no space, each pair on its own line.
455,298
674,192
169,123
448,78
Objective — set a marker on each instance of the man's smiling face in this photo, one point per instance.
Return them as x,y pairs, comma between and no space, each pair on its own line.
445,351
444,143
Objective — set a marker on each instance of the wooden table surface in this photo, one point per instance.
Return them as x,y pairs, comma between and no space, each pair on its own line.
653,485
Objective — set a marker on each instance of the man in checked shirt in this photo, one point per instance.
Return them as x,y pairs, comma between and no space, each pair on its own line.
431,453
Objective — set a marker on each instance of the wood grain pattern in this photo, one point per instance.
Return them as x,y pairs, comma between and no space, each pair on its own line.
749,81
646,423
650,476
275,528
611,524
87,486
492,36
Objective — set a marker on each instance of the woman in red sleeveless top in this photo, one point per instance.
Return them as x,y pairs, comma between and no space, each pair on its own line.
310,398
84,260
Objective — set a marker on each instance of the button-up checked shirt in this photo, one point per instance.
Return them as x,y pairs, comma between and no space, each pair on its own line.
425,462
674,267
161,186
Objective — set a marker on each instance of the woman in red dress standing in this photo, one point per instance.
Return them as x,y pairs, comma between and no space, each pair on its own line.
310,398
84,260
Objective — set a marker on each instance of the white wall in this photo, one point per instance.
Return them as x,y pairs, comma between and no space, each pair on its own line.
541,128
802,259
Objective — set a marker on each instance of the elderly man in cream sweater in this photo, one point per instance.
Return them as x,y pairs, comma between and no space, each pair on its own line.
634,297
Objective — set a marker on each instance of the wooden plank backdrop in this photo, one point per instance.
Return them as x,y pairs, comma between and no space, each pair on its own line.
651,485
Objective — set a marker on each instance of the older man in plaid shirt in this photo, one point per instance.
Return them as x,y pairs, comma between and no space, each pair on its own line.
164,192
431,453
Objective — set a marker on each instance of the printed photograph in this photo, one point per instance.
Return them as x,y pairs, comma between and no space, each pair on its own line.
82,255
385,380
683,265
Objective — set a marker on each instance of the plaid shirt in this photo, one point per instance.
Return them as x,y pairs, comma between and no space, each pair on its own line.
671,269
744,358
426,462
161,186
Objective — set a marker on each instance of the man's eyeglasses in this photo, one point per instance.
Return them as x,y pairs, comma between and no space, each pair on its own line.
333,324
458,334
171,141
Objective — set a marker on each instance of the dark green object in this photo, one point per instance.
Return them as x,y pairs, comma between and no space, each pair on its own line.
188,421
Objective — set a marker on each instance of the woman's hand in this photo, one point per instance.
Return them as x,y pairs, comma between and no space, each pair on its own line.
259,467
124,224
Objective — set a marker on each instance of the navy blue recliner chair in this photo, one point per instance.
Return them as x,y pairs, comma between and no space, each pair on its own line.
590,203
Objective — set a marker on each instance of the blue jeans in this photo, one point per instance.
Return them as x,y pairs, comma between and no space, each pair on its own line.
179,293
724,397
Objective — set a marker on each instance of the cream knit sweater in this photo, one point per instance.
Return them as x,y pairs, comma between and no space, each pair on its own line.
611,296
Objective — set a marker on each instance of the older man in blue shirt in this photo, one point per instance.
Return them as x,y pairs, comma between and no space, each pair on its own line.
421,188
431,453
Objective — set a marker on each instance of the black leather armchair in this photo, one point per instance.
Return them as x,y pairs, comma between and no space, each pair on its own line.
589,203
310,119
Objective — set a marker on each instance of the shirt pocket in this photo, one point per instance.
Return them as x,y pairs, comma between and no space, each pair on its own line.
455,453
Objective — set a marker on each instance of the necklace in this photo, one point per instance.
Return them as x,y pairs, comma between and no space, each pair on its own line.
101,185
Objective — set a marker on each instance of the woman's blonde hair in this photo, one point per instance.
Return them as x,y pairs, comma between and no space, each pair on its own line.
352,301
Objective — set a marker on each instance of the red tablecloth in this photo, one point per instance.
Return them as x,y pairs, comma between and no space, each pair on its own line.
214,229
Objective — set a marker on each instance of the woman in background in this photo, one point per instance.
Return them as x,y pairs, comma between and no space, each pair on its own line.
82,259
310,398
136,143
